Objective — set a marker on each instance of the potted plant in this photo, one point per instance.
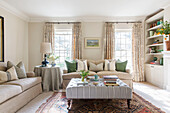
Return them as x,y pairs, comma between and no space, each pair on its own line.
83,74
165,30
52,59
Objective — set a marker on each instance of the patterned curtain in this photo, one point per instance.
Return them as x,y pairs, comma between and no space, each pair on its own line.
138,52
49,34
109,41
77,41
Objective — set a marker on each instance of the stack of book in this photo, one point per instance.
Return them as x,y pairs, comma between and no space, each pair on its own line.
110,80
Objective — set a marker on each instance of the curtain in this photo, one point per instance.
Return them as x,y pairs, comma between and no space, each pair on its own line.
109,41
76,41
138,52
49,34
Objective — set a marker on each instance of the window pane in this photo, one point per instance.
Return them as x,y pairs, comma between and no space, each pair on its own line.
123,47
63,45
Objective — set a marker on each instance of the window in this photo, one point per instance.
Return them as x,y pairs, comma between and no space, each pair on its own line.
63,45
123,46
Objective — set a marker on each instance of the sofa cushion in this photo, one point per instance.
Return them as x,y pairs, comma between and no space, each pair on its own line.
10,74
69,76
71,66
20,69
121,75
25,83
9,91
95,67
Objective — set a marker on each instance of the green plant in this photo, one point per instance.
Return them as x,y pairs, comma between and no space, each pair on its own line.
165,29
84,74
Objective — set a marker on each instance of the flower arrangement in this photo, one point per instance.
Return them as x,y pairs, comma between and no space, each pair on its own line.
165,29
83,74
52,59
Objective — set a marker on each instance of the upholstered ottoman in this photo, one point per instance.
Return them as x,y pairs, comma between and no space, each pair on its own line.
100,91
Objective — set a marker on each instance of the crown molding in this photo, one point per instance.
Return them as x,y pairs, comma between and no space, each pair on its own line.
88,19
13,10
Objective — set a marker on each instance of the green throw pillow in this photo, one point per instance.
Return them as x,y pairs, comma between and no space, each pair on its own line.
121,66
71,66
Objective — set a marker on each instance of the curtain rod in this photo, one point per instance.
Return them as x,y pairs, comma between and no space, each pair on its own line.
62,22
124,22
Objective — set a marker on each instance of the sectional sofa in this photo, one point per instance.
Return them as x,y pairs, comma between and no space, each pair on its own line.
15,94
126,77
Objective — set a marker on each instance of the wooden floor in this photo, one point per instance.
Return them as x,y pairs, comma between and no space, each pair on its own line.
155,95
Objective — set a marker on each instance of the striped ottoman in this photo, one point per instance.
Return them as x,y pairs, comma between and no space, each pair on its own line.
89,91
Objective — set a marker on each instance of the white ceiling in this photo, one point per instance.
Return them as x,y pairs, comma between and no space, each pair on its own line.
86,8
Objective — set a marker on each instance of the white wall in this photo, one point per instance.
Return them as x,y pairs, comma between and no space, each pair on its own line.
167,14
35,39
16,38
92,30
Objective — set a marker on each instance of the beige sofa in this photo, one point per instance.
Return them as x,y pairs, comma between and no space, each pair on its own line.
124,76
16,94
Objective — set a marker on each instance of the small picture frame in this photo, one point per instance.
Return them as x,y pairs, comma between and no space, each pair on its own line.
92,42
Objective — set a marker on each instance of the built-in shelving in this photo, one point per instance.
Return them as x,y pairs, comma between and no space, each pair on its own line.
155,28
155,36
154,54
152,45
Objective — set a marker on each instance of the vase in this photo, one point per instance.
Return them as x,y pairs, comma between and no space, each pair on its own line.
82,79
166,38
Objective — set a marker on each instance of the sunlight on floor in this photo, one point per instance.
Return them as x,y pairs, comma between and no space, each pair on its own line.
157,96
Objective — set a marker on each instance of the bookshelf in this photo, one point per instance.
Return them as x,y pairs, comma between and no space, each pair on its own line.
154,72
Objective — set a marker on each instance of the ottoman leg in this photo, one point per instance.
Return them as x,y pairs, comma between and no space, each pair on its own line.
128,103
69,101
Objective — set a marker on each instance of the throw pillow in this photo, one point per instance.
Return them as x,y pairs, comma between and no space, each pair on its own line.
71,66
20,69
121,66
109,65
10,74
81,65
94,67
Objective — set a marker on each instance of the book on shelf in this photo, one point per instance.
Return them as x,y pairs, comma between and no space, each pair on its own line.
110,79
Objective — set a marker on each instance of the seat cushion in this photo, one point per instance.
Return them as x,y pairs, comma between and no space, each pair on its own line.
121,75
9,91
26,83
69,76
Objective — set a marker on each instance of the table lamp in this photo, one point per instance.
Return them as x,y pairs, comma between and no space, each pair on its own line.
45,48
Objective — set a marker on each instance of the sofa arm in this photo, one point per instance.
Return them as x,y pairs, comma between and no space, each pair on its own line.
30,74
128,71
65,71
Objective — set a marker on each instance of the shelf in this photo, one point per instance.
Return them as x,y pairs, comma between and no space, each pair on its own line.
161,44
155,36
155,17
156,27
153,64
154,54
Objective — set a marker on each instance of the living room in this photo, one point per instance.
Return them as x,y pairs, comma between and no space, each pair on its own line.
84,56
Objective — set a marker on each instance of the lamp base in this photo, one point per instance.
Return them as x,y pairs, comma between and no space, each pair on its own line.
45,62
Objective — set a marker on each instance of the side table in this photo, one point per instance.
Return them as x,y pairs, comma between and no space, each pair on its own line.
51,77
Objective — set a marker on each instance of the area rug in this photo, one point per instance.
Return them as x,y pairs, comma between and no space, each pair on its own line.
57,103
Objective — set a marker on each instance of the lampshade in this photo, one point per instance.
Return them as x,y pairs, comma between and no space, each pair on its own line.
45,47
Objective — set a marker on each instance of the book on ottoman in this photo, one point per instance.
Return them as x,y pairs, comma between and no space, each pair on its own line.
110,78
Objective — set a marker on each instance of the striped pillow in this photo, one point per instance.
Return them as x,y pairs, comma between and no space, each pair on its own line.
10,74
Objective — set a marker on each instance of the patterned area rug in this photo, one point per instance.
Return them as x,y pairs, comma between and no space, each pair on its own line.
57,103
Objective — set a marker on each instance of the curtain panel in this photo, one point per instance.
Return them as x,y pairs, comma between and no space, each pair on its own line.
49,34
109,41
76,41
138,52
